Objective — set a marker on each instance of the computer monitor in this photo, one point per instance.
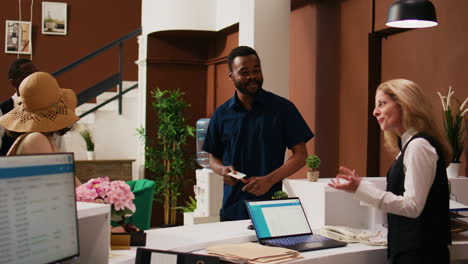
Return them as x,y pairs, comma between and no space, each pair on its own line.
38,221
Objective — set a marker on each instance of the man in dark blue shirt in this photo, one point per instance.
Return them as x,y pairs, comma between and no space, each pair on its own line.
249,133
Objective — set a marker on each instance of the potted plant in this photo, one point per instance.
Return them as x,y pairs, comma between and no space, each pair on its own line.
165,155
120,197
49,24
313,162
87,136
188,209
453,116
279,195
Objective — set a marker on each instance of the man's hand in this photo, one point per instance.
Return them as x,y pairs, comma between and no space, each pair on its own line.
229,180
218,167
257,185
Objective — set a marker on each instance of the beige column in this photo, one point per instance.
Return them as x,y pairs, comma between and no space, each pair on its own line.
264,26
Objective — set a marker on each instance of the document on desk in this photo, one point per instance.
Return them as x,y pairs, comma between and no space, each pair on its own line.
456,206
253,253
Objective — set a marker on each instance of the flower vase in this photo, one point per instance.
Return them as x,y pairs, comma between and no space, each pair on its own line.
91,155
453,170
126,235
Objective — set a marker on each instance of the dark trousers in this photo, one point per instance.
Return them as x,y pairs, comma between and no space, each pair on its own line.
222,218
428,256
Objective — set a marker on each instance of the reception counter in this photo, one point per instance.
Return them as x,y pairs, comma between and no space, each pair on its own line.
197,237
323,206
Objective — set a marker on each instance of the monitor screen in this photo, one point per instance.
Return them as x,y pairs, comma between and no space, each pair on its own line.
37,208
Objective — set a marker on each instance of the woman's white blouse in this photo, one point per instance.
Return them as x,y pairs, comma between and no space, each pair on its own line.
419,165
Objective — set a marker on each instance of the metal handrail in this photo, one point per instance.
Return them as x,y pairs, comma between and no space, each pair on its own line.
96,52
108,101
106,84
99,88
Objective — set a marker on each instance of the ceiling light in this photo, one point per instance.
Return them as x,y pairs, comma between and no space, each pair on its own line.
412,14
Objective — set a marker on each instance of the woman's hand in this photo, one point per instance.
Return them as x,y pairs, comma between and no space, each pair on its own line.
352,180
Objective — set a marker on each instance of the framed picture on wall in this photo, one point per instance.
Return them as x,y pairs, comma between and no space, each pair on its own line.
54,18
18,37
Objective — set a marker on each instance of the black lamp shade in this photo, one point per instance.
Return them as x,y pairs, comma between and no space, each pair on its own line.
412,14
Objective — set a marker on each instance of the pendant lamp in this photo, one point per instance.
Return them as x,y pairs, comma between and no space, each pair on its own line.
412,14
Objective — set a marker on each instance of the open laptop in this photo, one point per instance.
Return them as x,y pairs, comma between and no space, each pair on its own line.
283,223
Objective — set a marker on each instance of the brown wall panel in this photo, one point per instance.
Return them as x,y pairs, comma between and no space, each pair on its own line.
220,87
355,25
210,89
190,61
303,70
224,43
191,79
326,101
224,86
91,25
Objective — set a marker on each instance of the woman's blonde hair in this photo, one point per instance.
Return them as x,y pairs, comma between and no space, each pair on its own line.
416,113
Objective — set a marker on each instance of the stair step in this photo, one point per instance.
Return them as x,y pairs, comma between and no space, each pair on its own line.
128,84
88,119
114,134
113,106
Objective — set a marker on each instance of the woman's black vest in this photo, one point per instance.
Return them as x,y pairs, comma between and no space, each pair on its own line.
431,229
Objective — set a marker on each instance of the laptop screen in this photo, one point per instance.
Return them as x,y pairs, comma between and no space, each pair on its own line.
281,217
37,208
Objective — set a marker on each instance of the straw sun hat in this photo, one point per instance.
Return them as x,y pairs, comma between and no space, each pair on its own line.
42,107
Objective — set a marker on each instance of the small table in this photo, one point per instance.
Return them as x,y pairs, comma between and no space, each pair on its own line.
117,169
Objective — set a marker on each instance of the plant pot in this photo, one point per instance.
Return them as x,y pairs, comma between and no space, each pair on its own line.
126,240
313,175
91,155
453,170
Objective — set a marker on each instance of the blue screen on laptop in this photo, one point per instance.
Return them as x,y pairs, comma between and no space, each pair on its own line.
278,218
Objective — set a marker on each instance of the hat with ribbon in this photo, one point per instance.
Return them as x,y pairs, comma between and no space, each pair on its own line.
42,107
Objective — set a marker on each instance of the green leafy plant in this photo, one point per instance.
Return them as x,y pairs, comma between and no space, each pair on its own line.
279,195
88,138
453,116
165,155
189,207
313,162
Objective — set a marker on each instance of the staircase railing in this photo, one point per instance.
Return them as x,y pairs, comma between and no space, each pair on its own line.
109,82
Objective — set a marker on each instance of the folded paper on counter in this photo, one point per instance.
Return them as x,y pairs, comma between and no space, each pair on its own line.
254,253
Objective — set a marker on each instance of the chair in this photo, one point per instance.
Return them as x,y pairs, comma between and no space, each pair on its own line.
143,190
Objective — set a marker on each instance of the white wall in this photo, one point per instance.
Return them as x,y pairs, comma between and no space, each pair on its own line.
264,25
227,13
211,15
160,15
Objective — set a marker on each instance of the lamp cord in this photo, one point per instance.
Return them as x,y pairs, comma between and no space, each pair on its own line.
30,41
19,3
30,28
373,16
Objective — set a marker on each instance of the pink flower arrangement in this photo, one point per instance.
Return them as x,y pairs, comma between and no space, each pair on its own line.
115,193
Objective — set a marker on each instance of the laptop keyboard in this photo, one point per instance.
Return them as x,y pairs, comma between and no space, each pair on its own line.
289,241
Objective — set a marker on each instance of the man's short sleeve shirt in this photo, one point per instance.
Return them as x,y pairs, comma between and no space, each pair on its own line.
254,141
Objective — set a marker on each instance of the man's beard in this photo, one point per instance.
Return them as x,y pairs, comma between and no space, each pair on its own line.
242,88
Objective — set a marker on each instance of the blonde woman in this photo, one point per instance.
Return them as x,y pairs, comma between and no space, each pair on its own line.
43,110
417,195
